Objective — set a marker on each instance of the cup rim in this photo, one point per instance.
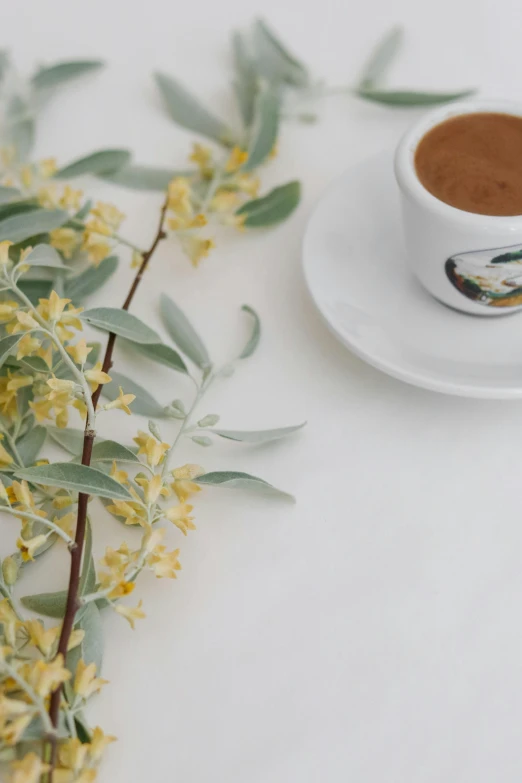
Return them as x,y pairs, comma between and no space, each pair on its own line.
404,164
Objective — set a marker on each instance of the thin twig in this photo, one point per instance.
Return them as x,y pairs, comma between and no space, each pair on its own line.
72,602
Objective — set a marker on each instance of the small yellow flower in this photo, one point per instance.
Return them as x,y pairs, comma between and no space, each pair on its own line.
28,548
22,494
47,167
8,309
248,184
117,559
109,214
60,386
62,501
132,513
99,742
48,196
27,346
70,198
16,382
224,201
66,522
79,352
122,401
237,158
179,196
12,732
66,240
121,476
72,755
183,485
151,488
41,410
202,157
97,226
196,248
85,681
131,614
180,516
9,622
164,563
25,321
41,638
185,223
97,377
96,250
137,259
4,252
44,677
154,450
29,770
55,306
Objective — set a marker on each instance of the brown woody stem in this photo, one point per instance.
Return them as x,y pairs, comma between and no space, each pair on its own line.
72,603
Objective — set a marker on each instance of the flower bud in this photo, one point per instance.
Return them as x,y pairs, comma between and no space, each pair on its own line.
10,571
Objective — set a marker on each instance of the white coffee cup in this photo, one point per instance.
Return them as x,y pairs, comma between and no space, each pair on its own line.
468,261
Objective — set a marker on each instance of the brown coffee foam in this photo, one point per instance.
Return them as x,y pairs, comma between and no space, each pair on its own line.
474,162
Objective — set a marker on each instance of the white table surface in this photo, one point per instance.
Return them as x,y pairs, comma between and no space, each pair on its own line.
372,632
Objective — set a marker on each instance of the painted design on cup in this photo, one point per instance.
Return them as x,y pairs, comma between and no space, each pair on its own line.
489,277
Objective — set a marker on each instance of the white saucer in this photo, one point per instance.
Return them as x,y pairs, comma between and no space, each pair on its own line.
355,270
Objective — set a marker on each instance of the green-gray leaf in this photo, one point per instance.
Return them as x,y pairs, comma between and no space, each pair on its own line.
230,479
266,127
275,61
20,127
186,111
183,333
44,255
143,405
273,208
246,83
8,194
29,224
162,354
48,604
381,58
139,177
253,341
30,445
7,344
120,322
258,436
101,162
110,451
88,572
91,647
91,280
69,439
79,478
54,75
407,98
35,289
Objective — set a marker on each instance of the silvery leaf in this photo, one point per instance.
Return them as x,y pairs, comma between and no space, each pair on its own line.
91,280
30,224
9,194
266,126
274,60
101,162
253,341
258,436
7,344
182,332
120,322
59,73
246,82
111,451
230,479
186,111
273,208
162,354
139,177
30,445
79,478
406,98
44,255
381,58
69,439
